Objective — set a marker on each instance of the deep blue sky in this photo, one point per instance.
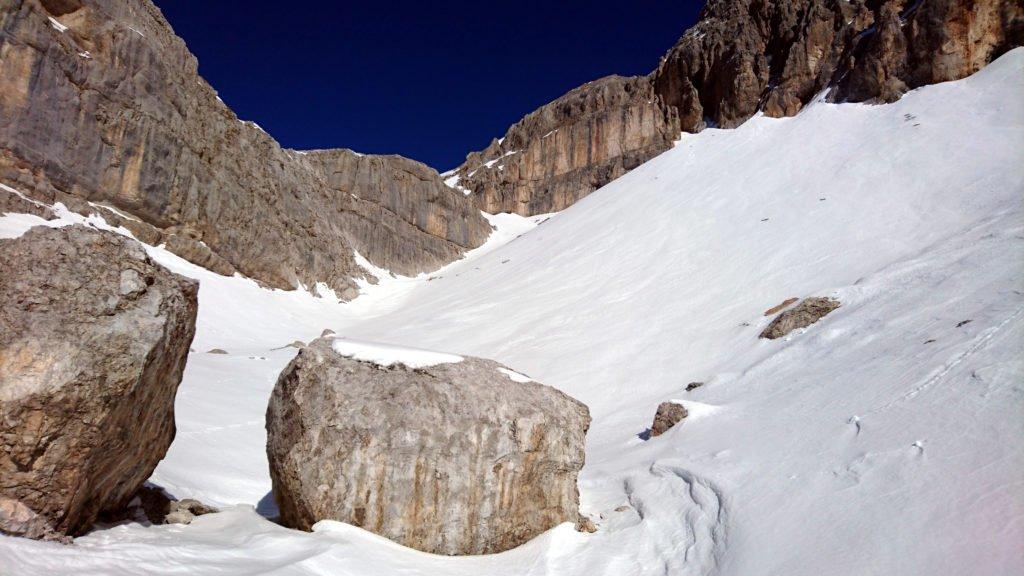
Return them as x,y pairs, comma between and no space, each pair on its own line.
428,80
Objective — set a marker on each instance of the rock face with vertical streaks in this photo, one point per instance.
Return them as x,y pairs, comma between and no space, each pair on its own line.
101,105
563,150
449,458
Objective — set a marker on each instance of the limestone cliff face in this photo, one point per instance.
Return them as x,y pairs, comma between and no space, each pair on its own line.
749,55
397,209
100,102
564,150
741,57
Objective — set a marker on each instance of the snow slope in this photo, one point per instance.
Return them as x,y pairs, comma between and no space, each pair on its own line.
883,440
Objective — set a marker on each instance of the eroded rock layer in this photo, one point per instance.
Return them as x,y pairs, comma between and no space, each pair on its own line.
450,458
100,102
93,341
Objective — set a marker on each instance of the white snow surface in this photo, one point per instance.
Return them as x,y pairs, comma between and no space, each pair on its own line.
515,376
389,354
884,439
57,25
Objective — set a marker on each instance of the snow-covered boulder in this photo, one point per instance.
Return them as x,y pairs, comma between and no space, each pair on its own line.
442,453
93,341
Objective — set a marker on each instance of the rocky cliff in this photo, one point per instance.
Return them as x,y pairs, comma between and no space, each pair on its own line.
100,102
753,55
741,57
568,148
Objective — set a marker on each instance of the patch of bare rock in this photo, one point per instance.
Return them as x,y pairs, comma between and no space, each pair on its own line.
93,341
450,458
668,415
803,315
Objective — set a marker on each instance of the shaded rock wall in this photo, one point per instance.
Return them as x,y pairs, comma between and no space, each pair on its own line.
750,55
563,150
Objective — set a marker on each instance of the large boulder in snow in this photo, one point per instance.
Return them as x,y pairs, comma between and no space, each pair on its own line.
441,453
93,341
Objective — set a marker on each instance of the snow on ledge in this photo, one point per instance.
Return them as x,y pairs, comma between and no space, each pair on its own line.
389,354
57,25
515,376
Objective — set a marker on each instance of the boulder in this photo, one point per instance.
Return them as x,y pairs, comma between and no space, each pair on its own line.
804,314
93,341
668,415
441,453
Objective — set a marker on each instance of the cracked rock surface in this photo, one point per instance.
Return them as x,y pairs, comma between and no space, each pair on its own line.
93,341
454,458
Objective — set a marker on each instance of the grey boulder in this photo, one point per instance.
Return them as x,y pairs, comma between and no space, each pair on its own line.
93,341
450,458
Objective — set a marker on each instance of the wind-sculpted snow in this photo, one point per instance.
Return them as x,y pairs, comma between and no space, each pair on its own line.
878,440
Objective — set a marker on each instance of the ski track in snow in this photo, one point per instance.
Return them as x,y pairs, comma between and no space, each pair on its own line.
978,343
871,442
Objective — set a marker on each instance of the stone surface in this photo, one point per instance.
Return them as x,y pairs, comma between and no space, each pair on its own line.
112,111
804,314
93,341
668,415
741,57
781,306
585,524
154,505
453,458
185,511
564,150
744,56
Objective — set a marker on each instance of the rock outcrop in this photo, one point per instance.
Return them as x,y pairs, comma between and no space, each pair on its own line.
570,147
453,457
101,104
741,57
801,316
93,341
747,55
668,415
